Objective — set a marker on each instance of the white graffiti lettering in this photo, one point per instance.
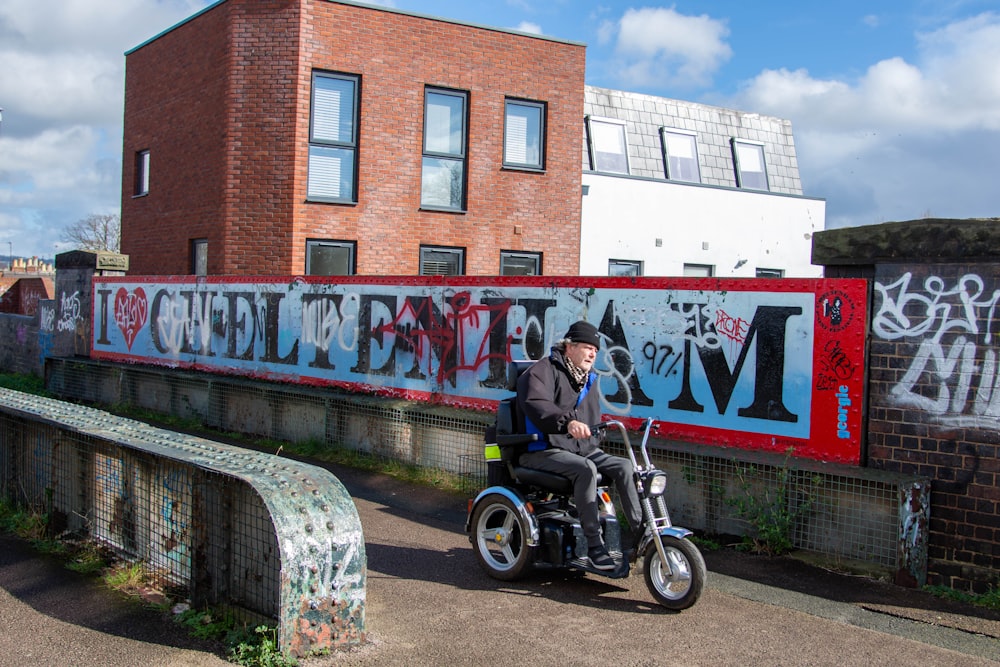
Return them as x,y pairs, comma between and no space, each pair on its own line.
47,319
323,323
69,311
952,377
936,311
173,323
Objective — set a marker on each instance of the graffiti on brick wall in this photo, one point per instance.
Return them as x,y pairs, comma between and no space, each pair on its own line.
70,311
951,325
735,364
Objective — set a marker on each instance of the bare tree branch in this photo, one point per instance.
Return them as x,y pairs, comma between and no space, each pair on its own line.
98,231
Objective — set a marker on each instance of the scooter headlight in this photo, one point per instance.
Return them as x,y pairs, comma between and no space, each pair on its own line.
654,484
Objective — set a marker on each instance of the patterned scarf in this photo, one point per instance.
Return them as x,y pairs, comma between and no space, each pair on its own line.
576,374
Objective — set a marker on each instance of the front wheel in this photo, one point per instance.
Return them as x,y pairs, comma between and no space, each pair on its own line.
500,538
676,584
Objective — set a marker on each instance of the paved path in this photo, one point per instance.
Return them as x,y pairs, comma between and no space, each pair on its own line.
429,604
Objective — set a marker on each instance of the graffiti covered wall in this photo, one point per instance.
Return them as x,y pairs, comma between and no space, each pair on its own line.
756,364
935,405
951,321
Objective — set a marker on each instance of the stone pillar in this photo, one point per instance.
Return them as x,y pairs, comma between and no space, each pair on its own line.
74,297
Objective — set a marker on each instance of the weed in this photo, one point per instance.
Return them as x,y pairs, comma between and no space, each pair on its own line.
207,624
126,577
990,600
772,509
18,521
705,543
258,647
87,559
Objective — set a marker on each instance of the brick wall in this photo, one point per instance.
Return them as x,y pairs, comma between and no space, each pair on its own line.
233,86
175,105
934,377
512,210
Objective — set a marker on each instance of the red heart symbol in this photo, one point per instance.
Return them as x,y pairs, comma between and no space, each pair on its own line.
130,313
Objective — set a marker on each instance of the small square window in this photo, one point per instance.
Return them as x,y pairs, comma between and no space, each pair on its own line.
330,258
608,145
680,155
520,263
751,170
524,134
770,273
699,270
438,261
624,268
141,173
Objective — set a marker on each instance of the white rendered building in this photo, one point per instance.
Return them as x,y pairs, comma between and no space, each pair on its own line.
673,188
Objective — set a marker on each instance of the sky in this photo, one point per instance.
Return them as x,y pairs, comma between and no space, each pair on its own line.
894,105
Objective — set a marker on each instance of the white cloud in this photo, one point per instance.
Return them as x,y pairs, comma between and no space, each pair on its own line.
904,140
62,89
529,27
663,47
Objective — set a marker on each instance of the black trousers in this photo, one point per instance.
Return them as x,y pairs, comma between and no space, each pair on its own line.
582,471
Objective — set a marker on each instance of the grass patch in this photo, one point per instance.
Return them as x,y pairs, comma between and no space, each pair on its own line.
126,577
705,543
990,600
25,382
18,521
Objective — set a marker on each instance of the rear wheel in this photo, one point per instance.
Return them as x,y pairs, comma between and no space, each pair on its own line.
500,538
676,584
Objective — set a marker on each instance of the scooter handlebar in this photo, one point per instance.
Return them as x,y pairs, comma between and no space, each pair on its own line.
605,425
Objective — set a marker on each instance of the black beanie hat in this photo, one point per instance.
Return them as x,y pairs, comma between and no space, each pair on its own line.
584,332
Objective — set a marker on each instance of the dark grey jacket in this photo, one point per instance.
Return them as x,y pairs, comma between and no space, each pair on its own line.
546,396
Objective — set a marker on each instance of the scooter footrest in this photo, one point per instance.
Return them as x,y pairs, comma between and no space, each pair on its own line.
584,564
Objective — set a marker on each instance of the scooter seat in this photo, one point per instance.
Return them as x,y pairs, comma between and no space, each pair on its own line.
547,481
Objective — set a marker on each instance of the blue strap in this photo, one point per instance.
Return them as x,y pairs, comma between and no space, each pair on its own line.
543,442
586,388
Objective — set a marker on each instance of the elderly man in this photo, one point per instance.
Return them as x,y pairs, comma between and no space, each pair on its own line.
558,397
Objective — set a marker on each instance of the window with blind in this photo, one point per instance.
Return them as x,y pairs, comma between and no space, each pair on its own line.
524,134
333,138
438,261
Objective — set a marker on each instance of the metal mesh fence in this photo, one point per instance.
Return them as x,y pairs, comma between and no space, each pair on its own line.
146,509
845,514
850,517
268,537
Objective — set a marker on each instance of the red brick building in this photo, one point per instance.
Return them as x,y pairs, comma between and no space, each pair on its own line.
271,137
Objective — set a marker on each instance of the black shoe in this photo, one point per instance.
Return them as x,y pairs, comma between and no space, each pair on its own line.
600,558
630,543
